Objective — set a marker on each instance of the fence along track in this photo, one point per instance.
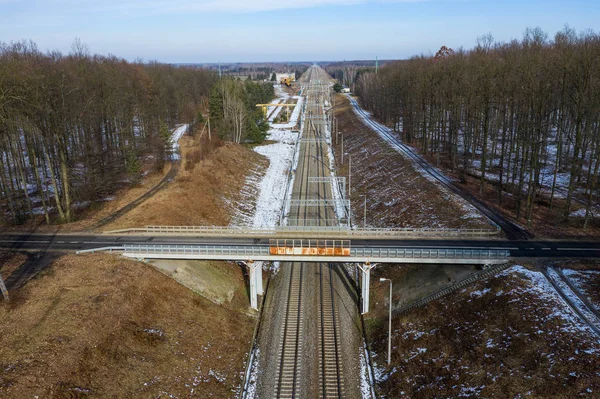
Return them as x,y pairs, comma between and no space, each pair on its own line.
491,271
330,365
291,338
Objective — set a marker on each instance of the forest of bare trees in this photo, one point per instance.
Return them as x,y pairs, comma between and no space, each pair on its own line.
522,117
72,126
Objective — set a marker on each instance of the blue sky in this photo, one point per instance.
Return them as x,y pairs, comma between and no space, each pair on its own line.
287,30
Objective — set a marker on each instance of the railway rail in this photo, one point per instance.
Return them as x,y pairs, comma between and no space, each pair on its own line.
330,365
290,351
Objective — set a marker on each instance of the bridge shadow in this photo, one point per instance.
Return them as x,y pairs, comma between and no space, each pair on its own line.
350,289
36,262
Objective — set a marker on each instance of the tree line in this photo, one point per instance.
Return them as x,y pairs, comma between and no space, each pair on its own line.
522,116
72,126
234,112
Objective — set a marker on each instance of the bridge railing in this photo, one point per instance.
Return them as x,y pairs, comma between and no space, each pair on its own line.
250,251
308,231
213,250
427,253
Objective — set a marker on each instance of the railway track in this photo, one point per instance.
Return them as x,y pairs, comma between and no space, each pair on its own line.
293,371
290,351
330,365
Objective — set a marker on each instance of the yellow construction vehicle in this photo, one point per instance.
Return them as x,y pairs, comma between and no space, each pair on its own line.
287,81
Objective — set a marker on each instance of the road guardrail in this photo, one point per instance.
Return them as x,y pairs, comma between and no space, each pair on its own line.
342,232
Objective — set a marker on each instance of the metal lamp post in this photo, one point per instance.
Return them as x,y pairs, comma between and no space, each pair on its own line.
389,358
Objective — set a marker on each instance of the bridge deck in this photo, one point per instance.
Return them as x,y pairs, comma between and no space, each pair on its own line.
358,255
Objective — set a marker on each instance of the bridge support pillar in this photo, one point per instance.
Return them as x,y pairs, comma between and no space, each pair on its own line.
256,283
365,285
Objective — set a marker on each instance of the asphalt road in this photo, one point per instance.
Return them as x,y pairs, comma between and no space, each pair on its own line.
523,248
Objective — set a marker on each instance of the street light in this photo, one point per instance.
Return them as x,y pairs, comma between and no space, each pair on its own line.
390,323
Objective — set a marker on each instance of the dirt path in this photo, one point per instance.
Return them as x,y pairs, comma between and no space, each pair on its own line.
161,184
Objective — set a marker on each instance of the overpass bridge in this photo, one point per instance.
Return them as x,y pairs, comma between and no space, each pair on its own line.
300,250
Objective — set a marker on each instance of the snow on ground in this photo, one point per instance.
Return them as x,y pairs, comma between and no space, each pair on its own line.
396,143
541,287
340,209
366,382
292,175
272,188
572,296
252,375
581,280
274,111
176,135
556,320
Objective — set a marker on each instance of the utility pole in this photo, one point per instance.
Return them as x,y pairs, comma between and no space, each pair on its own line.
342,148
349,175
376,65
219,70
209,138
365,211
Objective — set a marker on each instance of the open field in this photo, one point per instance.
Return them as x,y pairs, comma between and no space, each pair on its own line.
117,328
505,337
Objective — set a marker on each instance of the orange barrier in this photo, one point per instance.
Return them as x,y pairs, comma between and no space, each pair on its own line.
309,251
310,247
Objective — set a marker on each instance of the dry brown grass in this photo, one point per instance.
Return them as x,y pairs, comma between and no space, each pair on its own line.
101,326
504,343
398,195
9,262
207,193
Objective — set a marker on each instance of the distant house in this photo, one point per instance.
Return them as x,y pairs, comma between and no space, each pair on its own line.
345,90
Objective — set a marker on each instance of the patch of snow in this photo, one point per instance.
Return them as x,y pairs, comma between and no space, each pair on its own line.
366,382
479,293
573,298
176,135
272,187
539,286
252,375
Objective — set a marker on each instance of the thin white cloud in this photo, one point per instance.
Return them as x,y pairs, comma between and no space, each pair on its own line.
227,6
